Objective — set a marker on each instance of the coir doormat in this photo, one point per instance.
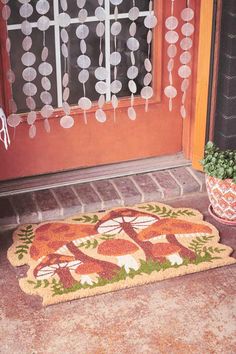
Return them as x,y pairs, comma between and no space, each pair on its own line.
91,254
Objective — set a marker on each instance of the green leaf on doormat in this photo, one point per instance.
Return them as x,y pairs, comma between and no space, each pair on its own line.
107,237
26,237
165,212
199,246
89,244
87,219
39,283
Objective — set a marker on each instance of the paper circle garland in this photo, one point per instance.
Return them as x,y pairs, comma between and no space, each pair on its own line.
133,45
132,113
83,60
186,44
28,59
171,38
100,115
171,23
14,120
170,92
187,14
42,7
150,22
115,57
101,73
45,68
67,121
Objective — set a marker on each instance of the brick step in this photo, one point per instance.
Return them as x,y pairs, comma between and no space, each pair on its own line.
62,202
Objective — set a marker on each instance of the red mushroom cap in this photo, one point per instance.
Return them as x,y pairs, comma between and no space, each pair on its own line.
89,268
164,249
125,212
117,248
172,226
51,236
112,222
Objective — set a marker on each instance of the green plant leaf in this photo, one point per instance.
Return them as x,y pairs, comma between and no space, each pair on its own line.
219,163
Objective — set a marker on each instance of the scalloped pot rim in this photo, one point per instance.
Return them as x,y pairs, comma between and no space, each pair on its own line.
222,196
220,220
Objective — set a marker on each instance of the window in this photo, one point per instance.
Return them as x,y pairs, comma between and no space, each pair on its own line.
51,39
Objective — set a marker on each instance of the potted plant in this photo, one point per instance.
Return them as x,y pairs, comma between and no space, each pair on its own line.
220,169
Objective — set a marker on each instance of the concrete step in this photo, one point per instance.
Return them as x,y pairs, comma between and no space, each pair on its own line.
62,202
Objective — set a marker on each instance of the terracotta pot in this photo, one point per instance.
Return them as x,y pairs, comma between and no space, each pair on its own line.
222,195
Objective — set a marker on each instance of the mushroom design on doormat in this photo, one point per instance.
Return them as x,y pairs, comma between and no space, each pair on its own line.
114,249
58,245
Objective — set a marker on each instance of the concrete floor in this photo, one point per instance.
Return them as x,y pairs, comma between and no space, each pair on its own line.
190,314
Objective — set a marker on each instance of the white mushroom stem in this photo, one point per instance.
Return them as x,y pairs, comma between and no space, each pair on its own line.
175,259
128,262
86,279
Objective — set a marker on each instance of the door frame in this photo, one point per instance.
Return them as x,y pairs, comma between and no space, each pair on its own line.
204,93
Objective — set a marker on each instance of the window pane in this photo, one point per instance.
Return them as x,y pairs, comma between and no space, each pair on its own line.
93,50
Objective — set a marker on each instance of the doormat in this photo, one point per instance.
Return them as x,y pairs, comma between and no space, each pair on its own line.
90,254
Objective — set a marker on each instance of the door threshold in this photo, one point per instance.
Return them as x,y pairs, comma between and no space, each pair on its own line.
67,178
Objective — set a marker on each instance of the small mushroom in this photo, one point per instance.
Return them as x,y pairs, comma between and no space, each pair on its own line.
168,251
86,270
122,250
55,264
